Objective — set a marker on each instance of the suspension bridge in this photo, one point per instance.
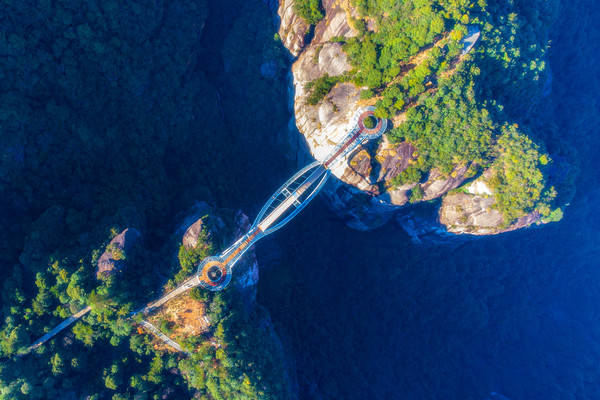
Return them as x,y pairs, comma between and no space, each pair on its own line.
214,273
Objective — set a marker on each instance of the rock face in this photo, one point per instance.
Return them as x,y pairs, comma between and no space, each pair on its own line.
293,29
471,211
463,212
114,258
203,217
194,221
248,271
365,194
190,238
335,22
200,218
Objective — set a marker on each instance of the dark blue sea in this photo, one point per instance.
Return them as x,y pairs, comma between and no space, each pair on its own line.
371,315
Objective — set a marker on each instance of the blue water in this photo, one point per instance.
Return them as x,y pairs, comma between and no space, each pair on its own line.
370,315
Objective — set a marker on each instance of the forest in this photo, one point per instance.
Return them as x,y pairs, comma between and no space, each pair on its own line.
111,117
309,10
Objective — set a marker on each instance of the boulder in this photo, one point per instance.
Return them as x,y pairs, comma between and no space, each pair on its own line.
293,28
190,237
472,211
114,258
335,23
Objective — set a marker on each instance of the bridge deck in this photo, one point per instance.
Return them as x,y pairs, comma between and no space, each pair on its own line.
183,287
292,199
57,329
289,195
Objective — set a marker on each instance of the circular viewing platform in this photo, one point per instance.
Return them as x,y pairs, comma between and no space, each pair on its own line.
372,132
366,126
213,274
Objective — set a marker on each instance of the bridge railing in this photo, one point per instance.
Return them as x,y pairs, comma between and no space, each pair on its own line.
263,211
301,205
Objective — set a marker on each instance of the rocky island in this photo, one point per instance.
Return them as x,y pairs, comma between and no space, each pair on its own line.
450,140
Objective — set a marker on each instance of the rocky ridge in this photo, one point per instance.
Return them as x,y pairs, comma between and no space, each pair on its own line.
363,194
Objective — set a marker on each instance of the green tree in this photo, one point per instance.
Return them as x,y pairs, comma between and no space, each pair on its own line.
57,364
416,194
85,333
309,10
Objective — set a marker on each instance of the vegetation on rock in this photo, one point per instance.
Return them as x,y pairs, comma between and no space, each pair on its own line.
456,108
190,258
309,10
320,87
369,122
518,180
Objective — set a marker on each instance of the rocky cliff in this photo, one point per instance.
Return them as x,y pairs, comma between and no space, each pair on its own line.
365,193
293,29
204,225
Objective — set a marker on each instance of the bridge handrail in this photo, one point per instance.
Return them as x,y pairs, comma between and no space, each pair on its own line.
162,336
231,248
239,255
299,208
263,210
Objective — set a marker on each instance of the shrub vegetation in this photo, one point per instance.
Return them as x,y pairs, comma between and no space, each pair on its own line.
309,10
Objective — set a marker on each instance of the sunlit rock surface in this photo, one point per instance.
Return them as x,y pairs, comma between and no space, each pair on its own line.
293,29
364,193
472,211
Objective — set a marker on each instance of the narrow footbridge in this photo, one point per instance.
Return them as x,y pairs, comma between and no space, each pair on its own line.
162,336
67,322
215,272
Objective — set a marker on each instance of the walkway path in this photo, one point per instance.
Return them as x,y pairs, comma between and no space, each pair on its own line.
162,336
189,283
214,273
57,329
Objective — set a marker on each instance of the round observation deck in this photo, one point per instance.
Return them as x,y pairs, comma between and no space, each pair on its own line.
373,132
214,274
